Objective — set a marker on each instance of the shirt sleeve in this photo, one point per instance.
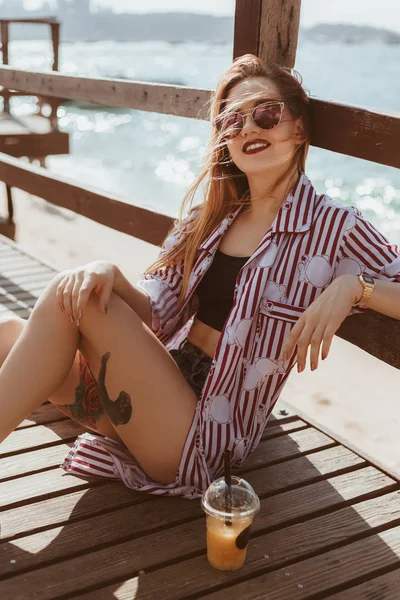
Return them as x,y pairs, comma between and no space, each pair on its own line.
163,286
365,250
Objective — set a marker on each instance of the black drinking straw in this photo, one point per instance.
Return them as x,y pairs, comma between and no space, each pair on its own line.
228,481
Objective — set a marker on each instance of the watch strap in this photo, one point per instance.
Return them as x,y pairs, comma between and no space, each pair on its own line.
368,288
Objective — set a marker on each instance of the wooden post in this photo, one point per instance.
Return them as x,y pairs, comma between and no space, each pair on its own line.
55,102
247,27
4,51
7,226
267,28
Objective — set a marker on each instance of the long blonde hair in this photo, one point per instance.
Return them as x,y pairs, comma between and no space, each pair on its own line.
226,186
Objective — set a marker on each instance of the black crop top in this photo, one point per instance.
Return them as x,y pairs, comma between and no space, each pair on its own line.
215,290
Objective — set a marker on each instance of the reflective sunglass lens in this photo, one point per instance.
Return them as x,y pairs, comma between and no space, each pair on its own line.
267,117
233,124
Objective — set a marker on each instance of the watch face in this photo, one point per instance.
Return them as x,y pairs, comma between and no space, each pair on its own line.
368,278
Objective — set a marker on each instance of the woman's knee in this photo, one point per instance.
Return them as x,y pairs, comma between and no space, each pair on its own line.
48,298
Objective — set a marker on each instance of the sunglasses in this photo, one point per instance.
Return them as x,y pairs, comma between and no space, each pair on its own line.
265,116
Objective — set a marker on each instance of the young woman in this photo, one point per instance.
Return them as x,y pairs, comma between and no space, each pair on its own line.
192,360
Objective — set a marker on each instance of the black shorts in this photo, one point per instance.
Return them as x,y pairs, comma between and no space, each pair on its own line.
194,365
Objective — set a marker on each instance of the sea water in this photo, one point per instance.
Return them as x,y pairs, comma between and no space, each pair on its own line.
150,159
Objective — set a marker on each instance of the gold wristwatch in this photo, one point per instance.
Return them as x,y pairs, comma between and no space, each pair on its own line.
368,284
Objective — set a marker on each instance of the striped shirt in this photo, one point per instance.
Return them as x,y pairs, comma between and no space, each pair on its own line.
312,240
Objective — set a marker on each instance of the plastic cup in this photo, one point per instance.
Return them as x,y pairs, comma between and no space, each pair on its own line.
228,521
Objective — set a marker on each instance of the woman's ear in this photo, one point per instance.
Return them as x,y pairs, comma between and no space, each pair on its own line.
299,132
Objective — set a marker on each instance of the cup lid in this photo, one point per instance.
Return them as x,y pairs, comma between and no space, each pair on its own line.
244,502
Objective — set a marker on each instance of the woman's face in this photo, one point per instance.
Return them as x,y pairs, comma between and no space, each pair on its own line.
280,143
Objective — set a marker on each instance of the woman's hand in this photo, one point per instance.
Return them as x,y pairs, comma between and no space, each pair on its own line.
319,323
74,289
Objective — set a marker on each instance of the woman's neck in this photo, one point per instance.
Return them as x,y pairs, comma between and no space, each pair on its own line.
269,197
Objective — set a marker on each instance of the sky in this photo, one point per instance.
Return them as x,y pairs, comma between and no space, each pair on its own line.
382,13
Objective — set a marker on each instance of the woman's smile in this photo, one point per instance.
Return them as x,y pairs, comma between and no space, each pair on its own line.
255,146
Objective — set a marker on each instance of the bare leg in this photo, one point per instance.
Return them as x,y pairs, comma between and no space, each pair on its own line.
141,374
68,397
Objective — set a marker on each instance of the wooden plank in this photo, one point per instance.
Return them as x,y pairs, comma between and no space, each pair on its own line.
323,573
68,508
35,144
160,98
356,132
155,550
346,129
279,31
385,587
39,486
286,506
107,529
33,460
19,465
88,535
42,20
21,440
286,475
267,552
9,270
47,413
247,27
113,212
286,447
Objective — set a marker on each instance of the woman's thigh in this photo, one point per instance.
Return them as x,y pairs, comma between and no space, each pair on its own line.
143,392
78,398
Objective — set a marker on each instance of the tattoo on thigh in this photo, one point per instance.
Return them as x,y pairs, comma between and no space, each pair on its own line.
87,408
120,410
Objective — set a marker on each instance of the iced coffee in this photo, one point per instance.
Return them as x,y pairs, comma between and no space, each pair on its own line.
229,516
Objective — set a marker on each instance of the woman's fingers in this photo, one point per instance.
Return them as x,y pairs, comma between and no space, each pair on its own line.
292,338
67,296
327,341
85,290
315,345
75,295
60,292
105,296
302,346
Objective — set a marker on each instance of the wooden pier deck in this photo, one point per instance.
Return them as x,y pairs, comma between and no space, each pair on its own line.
329,524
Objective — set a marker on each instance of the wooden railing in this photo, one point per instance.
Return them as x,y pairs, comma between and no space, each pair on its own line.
268,28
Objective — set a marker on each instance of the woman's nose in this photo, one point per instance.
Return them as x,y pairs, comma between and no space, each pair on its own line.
249,125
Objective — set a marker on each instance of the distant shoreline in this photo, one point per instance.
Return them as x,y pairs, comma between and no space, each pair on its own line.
179,28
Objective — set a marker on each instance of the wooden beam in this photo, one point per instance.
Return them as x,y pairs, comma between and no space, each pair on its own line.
356,132
376,334
247,27
42,21
178,100
88,202
35,144
345,129
279,31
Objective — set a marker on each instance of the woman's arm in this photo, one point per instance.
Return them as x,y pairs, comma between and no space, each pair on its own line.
319,323
385,298
365,250
136,298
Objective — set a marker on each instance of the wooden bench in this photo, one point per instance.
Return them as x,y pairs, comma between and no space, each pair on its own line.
329,524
